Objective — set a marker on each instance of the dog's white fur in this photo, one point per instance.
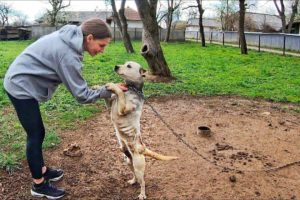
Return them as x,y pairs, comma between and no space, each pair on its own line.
126,110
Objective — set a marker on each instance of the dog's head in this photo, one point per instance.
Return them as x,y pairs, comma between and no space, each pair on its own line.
131,72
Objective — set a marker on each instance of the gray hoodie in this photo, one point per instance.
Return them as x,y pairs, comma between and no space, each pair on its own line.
53,59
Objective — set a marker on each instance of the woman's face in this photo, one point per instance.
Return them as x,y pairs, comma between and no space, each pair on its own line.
95,46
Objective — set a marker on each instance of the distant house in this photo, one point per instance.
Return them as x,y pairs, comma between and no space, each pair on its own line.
296,27
77,17
133,18
262,22
208,24
179,25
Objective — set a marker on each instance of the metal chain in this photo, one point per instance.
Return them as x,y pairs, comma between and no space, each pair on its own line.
224,168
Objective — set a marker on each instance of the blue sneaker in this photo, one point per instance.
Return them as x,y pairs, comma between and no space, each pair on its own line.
53,174
46,189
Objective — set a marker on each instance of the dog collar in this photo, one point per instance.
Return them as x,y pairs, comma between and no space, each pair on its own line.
137,91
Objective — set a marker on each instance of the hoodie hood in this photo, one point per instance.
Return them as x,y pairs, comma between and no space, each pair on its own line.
72,36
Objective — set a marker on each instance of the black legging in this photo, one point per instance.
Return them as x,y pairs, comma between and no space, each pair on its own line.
29,114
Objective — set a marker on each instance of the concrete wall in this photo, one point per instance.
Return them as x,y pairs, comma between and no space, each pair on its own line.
39,31
131,24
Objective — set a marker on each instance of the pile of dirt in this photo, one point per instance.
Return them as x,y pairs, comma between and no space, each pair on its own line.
247,156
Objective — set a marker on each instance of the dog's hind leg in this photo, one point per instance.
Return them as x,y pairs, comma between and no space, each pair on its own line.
130,165
127,158
138,161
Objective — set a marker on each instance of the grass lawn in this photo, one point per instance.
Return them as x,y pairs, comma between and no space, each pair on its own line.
214,70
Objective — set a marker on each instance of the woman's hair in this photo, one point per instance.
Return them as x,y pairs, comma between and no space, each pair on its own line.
98,28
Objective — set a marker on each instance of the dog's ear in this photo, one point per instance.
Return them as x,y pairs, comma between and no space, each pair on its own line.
143,72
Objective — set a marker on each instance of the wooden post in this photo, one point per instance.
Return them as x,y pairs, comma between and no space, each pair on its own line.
223,38
284,44
135,34
211,35
197,36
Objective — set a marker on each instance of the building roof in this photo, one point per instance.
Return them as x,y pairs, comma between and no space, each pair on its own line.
207,22
179,25
80,16
132,14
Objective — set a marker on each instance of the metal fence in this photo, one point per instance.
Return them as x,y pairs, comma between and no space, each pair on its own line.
134,33
281,41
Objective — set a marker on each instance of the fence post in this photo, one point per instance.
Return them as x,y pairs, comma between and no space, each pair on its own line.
223,38
197,37
135,34
114,32
211,35
284,44
258,42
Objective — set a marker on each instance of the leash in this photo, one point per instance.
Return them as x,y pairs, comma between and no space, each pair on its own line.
224,168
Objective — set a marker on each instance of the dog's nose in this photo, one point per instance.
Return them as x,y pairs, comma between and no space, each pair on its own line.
116,68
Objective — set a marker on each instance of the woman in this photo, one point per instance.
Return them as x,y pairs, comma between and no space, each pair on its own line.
34,76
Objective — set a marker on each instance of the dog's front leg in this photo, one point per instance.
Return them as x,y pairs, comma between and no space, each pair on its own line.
121,98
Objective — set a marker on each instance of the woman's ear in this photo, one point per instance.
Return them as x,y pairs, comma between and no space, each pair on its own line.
89,37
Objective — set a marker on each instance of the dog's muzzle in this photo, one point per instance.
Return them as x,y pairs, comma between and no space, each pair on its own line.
116,68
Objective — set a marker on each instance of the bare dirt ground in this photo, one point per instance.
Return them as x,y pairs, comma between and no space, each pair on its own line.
249,136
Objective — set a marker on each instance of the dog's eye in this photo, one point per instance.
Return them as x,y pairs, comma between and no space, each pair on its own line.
128,66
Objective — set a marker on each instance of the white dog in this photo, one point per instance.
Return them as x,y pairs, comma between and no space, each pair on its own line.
126,110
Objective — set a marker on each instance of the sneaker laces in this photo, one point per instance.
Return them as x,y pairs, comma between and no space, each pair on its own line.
51,186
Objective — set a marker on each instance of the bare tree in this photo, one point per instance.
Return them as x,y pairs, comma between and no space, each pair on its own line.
151,49
20,19
172,7
201,28
226,10
282,13
57,7
5,11
242,27
121,21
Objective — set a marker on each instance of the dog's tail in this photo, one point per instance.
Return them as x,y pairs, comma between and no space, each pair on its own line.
158,156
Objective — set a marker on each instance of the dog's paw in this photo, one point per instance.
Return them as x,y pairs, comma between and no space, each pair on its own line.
110,86
132,181
142,197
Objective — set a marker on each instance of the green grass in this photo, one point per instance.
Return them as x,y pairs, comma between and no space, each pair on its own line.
214,70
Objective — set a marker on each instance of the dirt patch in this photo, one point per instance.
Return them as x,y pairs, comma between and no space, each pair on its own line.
248,139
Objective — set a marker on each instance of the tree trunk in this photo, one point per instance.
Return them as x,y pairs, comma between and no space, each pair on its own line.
201,28
170,18
116,16
294,12
151,49
125,35
281,12
121,21
242,27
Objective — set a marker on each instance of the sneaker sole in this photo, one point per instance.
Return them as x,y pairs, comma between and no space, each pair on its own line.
57,178
34,194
